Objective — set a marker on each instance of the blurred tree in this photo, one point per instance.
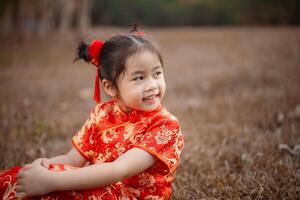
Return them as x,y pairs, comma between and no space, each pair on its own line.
31,17
28,18
84,16
68,8
196,12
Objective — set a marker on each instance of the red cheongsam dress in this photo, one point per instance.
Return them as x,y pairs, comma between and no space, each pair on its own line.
107,134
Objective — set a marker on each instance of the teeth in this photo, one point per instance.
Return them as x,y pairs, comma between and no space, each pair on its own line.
150,97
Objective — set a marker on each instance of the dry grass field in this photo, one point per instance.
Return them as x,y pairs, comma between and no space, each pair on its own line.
235,90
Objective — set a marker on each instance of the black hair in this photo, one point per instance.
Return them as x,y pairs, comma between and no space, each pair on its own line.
116,51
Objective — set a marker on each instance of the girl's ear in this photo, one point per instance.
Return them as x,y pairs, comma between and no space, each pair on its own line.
109,88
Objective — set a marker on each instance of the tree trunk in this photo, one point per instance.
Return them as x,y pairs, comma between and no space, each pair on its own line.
67,13
84,15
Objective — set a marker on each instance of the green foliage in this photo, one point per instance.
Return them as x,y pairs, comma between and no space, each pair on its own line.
195,12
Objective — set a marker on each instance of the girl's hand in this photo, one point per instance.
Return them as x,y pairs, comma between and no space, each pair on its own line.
42,161
33,180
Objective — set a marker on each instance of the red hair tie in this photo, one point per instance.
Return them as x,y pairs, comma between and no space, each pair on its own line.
139,33
94,51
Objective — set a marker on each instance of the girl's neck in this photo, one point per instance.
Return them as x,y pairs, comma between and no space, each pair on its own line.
123,107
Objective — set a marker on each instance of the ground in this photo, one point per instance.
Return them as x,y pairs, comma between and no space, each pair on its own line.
235,91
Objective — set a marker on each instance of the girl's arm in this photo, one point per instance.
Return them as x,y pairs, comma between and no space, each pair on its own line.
35,180
132,162
73,158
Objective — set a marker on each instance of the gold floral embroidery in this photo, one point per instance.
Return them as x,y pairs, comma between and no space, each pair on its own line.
152,197
148,181
135,192
163,136
178,144
10,190
103,157
49,198
100,158
109,135
171,160
98,197
128,131
101,114
117,110
120,148
91,140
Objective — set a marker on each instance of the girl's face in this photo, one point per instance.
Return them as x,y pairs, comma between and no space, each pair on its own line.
142,85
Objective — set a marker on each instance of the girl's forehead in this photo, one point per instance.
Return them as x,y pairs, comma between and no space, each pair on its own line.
142,60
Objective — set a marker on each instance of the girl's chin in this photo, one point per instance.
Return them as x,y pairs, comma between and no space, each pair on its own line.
142,106
150,107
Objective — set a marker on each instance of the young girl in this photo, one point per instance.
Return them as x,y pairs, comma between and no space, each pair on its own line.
131,143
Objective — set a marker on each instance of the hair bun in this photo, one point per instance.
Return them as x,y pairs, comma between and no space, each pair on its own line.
136,31
91,52
82,52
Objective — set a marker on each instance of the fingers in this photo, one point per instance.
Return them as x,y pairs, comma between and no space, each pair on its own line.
39,160
22,171
20,188
20,192
20,175
20,182
20,195
45,163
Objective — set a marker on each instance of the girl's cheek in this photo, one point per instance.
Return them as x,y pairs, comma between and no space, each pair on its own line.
137,88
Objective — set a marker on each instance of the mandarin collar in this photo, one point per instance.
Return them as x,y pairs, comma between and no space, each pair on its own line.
135,115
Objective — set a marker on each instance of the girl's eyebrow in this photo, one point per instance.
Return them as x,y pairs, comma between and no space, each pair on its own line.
157,67
141,72
136,72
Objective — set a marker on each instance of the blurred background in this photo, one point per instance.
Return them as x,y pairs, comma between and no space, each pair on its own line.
233,80
42,17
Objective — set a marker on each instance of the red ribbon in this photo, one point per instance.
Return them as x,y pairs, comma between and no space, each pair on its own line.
94,56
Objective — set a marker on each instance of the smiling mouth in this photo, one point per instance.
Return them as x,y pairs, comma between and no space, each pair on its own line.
150,97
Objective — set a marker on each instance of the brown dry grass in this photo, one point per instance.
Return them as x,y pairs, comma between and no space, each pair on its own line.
234,90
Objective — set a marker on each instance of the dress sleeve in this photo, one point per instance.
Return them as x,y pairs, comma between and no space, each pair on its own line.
164,141
82,139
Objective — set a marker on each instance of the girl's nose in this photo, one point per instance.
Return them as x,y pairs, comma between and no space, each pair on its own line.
151,85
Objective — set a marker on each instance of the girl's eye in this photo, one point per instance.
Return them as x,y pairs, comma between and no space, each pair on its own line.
138,78
157,73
